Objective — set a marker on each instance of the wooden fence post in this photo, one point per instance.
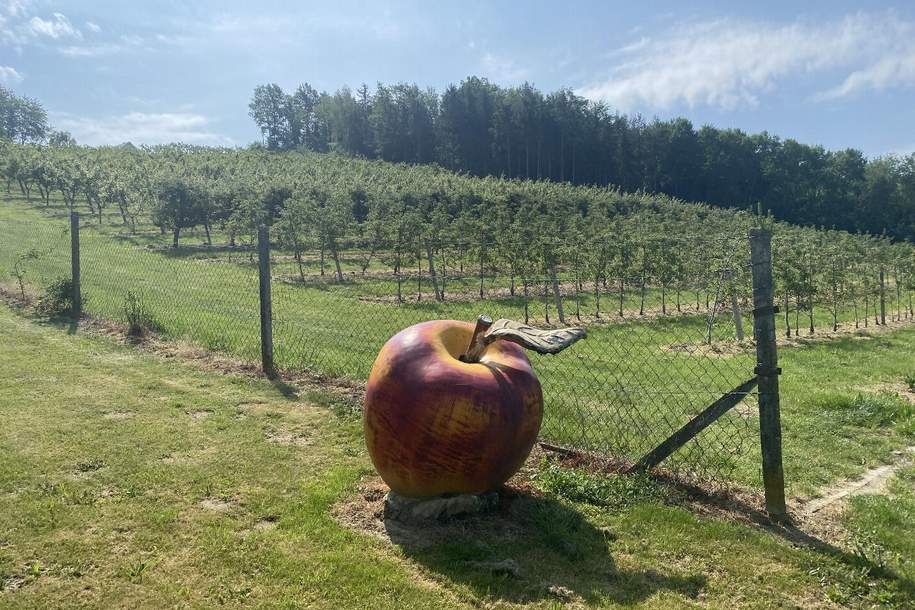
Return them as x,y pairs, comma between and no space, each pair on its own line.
74,265
767,371
266,304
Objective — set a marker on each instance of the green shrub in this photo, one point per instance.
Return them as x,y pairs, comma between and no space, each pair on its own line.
19,267
139,320
57,299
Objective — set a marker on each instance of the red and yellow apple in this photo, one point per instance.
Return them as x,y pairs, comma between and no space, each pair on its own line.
435,424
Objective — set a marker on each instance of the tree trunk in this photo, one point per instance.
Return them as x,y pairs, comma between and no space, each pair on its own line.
787,316
399,279
438,295
175,235
622,294
810,311
481,272
597,296
557,295
866,308
444,274
336,257
546,300
298,259
642,298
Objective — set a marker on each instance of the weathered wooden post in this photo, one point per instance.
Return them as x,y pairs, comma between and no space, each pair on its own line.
266,304
767,371
74,265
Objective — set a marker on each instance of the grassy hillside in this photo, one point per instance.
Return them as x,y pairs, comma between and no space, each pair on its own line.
132,480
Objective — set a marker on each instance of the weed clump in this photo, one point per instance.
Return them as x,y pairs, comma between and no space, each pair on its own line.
57,299
909,381
139,319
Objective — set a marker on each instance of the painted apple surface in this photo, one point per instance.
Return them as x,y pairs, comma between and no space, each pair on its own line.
437,425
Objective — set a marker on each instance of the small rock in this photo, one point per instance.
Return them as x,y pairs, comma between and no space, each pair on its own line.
609,534
560,592
507,567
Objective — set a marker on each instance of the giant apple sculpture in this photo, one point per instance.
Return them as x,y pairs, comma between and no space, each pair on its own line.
450,408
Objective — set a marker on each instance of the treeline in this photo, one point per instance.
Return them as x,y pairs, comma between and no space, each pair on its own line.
519,132
421,220
24,120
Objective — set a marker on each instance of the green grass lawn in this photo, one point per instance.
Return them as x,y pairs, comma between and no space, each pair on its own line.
131,480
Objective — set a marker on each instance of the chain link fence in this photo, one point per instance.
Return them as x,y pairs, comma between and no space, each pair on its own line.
662,345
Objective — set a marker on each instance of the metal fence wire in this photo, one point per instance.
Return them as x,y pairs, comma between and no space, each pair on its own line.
661,345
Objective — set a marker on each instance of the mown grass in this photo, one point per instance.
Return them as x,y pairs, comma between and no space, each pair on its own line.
883,529
130,480
620,392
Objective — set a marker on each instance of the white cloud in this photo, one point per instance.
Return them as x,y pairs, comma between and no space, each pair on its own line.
93,27
502,70
93,50
9,75
728,63
16,8
126,43
885,73
57,27
141,128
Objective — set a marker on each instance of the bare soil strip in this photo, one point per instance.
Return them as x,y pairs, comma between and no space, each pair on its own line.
873,482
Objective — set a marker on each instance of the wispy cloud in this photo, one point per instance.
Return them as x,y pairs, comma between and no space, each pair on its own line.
9,75
93,27
728,63
16,8
502,70
141,128
57,27
91,50
885,73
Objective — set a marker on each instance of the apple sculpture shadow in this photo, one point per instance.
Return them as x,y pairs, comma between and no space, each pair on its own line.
453,408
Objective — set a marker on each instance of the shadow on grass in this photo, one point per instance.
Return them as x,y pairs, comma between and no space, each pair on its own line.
729,506
287,390
536,548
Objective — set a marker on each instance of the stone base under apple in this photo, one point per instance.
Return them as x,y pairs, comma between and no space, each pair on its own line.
438,508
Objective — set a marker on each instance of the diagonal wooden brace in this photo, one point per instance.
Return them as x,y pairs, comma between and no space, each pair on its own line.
694,427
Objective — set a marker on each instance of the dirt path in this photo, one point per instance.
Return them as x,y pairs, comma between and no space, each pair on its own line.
874,481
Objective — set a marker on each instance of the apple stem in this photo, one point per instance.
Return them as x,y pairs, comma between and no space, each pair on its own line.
476,347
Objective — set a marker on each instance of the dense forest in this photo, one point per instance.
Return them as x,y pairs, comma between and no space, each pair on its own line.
482,129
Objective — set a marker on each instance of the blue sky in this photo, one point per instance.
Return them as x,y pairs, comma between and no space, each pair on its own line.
837,73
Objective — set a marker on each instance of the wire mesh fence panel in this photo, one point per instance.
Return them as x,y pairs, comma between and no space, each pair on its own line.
668,319
34,249
659,349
